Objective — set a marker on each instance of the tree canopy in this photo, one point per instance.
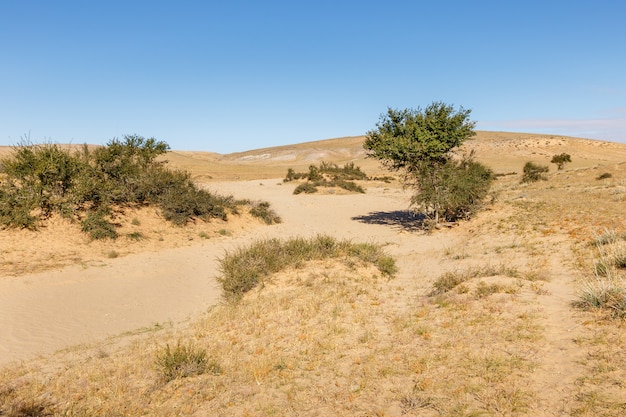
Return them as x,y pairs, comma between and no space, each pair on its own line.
406,138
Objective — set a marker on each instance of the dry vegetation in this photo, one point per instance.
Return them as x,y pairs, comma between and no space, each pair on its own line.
507,318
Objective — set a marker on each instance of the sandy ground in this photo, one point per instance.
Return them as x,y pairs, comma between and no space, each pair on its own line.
46,311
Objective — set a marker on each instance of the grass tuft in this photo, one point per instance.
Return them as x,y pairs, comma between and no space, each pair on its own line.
184,360
451,280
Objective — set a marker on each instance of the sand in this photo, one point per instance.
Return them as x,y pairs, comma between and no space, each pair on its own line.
46,311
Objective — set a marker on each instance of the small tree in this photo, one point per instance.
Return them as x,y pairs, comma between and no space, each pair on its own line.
421,144
561,160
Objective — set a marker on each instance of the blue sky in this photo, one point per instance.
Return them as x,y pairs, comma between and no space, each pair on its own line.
227,76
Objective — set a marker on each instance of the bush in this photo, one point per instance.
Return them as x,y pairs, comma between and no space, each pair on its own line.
604,176
89,186
534,172
456,191
263,211
16,206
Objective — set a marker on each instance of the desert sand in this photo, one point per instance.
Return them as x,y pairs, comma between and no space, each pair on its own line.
58,290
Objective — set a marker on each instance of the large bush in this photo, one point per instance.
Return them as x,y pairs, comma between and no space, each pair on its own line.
88,186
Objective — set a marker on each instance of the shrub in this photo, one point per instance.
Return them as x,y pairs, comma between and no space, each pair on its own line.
292,175
349,186
88,186
16,206
179,204
534,172
456,191
135,236
263,211
604,176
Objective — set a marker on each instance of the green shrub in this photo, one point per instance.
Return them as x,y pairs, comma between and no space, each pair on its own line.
263,211
292,175
605,289
89,185
349,186
16,206
183,203
534,172
456,191
245,268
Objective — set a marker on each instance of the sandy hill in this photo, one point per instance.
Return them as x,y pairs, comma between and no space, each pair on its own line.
504,152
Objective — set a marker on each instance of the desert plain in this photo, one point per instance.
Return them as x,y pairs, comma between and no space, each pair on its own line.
83,323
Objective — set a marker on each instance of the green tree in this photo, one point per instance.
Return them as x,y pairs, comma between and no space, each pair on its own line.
421,144
561,160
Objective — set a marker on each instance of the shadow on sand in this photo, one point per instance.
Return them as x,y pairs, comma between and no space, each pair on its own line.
403,219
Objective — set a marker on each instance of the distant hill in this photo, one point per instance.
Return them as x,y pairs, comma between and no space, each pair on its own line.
502,151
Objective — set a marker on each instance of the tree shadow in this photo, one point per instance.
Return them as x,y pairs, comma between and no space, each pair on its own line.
403,219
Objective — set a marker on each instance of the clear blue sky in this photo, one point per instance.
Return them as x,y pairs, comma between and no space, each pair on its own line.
228,76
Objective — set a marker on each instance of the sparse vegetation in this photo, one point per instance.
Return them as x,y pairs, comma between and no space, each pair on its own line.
262,210
93,186
605,288
604,176
328,175
450,280
245,268
421,144
534,172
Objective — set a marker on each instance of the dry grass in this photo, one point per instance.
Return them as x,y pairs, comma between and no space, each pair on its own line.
326,340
